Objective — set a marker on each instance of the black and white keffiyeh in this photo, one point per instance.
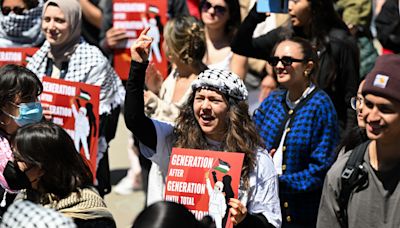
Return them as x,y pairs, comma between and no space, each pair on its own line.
88,65
223,81
24,214
22,30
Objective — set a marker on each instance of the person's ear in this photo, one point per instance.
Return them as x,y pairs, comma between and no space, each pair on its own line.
309,67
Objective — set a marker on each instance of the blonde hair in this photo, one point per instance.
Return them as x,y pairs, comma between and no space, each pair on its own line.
185,38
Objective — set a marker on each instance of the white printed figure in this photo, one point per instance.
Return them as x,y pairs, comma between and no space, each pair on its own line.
82,129
217,204
155,34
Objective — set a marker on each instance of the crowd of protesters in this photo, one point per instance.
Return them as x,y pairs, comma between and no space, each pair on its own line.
317,151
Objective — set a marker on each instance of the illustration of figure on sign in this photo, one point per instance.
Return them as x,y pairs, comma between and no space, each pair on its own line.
154,32
227,190
82,126
217,204
224,168
92,121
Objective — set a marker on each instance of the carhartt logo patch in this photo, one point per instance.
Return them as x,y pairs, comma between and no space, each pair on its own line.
381,81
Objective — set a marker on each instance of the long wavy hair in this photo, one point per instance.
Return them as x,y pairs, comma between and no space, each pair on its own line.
240,135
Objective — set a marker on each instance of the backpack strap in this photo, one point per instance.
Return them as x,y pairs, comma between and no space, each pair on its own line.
353,177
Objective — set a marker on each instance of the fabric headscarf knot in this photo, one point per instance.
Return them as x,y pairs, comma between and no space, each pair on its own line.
73,16
223,81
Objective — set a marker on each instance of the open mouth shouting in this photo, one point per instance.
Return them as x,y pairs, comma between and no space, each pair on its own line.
206,119
211,108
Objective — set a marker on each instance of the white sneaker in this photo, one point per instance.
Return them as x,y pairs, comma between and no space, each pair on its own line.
124,186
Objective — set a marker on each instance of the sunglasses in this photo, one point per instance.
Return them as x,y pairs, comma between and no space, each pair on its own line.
219,10
286,60
17,10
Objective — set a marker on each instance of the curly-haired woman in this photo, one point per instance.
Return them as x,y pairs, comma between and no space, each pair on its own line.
215,117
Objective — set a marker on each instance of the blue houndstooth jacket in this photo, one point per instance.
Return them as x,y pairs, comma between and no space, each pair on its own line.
308,149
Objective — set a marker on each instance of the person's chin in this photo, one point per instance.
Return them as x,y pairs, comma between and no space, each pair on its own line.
282,80
372,135
52,41
206,128
295,22
212,21
361,126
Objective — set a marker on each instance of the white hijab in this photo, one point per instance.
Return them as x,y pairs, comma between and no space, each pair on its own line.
73,16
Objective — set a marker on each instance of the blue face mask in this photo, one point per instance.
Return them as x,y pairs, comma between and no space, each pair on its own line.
28,113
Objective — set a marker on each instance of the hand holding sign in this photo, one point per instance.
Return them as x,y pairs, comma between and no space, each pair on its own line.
200,193
238,211
114,36
141,47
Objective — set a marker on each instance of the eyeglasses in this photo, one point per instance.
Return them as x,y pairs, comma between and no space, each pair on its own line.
354,101
218,9
286,60
17,10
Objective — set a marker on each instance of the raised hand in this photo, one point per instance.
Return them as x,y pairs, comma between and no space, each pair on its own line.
206,174
140,49
153,79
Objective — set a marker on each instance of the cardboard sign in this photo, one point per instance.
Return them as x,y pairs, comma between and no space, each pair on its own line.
204,181
272,6
75,107
17,56
134,16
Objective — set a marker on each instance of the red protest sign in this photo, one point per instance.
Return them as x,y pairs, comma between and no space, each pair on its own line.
203,181
17,56
134,16
75,107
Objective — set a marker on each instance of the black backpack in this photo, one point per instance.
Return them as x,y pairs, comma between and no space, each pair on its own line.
354,178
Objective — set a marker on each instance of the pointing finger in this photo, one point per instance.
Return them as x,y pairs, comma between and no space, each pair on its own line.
144,32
